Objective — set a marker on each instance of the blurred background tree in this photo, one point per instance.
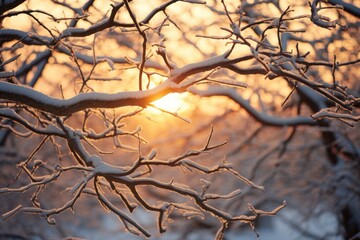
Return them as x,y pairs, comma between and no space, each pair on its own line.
185,119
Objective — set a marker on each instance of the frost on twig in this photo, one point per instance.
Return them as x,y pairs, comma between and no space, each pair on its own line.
86,137
320,20
328,113
132,178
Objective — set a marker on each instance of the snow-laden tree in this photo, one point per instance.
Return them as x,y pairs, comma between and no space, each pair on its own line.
187,109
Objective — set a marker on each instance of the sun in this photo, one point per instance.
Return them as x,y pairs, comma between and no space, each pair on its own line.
173,102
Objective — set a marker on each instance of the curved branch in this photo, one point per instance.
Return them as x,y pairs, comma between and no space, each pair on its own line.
321,21
59,107
261,117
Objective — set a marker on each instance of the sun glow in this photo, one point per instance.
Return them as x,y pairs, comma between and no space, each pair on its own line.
172,102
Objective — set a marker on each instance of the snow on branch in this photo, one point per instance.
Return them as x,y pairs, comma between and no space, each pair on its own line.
320,20
91,138
328,113
82,101
261,117
132,178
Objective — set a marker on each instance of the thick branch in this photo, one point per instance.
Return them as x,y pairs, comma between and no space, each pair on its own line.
350,8
59,107
7,5
84,101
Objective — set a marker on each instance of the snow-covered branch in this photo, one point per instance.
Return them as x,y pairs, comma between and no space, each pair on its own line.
259,116
85,97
